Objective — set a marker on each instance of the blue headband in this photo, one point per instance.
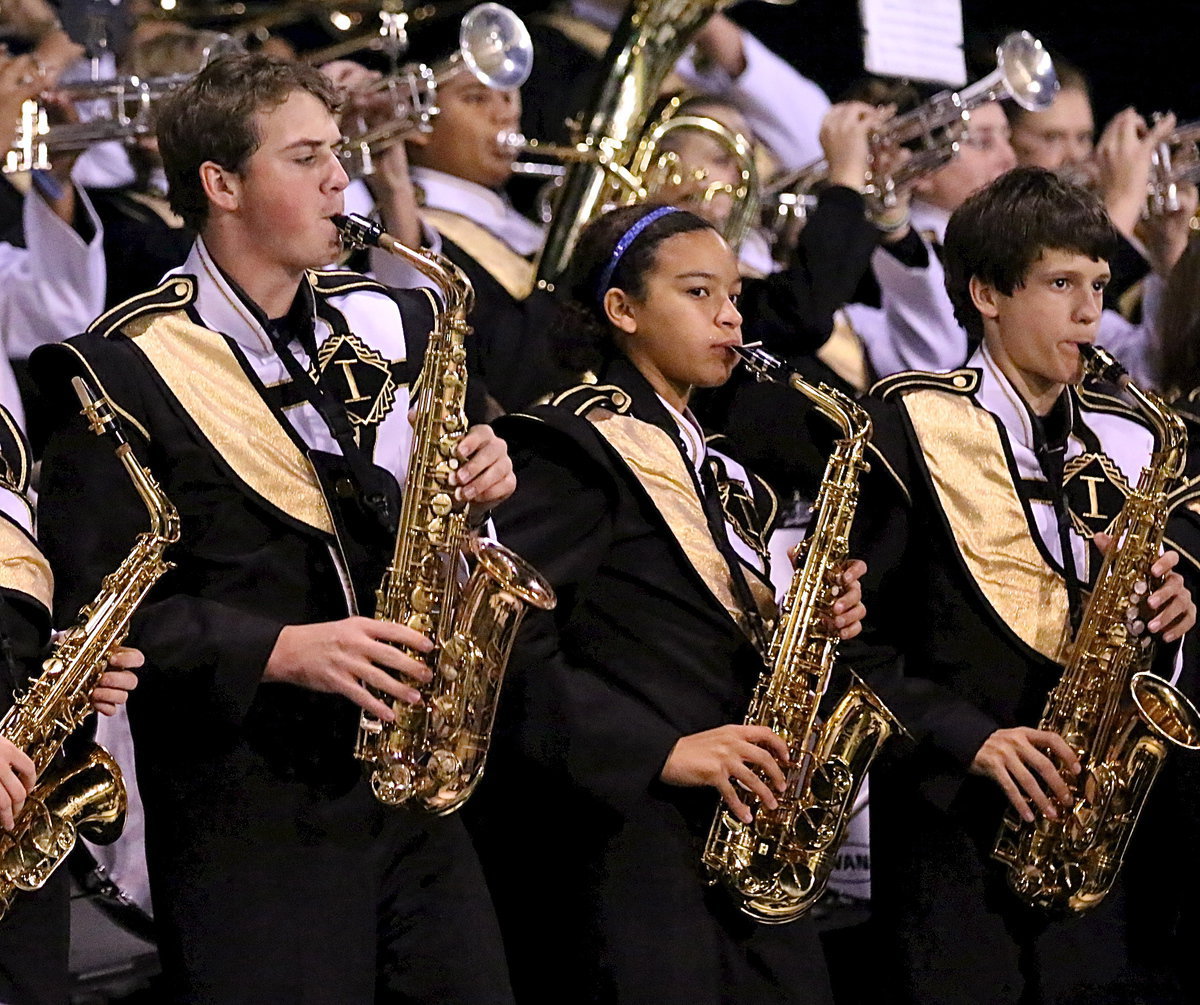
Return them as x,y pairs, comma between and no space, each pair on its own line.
623,245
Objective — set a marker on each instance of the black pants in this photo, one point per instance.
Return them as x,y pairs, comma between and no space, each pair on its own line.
408,920
950,933
33,945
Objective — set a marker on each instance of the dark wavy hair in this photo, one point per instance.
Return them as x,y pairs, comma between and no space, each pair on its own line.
583,339
1001,230
211,118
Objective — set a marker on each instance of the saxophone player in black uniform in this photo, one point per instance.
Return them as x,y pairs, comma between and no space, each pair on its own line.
983,529
627,701
269,398
34,930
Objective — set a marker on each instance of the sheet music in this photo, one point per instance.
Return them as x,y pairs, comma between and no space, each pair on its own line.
918,39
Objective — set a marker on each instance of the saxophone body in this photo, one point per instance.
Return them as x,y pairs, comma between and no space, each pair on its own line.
86,796
778,866
432,756
1120,719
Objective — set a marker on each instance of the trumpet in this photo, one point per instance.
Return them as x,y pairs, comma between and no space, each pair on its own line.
1173,162
934,131
493,46
118,108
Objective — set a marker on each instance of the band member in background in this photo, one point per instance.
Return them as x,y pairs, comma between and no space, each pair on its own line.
51,253
726,63
627,700
34,931
1062,138
270,400
979,532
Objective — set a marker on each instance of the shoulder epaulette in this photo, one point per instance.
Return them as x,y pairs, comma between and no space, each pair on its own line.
14,455
963,381
174,293
335,282
583,398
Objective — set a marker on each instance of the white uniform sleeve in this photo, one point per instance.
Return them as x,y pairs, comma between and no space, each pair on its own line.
56,288
1136,345
783,107
920,332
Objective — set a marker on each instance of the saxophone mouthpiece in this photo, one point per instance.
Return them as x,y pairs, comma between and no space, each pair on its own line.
96,410
1103,365
357,231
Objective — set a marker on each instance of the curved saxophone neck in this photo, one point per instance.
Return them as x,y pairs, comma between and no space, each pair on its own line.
1170,453
850,417
458,294
102,420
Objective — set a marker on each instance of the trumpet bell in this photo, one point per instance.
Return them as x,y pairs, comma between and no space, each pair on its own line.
495,46
1028,71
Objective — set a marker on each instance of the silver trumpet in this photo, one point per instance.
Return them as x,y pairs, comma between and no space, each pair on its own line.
934,131
493,46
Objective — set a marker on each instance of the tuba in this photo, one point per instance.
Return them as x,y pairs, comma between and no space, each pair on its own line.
935,129
778,866
1118,718
432,756
651,38
86,796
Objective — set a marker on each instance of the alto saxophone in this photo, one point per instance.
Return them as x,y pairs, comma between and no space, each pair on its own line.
777,867
432,756
86,796
1118,718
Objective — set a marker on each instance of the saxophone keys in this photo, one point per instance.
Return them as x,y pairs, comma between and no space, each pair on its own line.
442,503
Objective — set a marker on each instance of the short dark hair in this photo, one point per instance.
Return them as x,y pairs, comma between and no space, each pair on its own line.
211,118
583,340
1001,230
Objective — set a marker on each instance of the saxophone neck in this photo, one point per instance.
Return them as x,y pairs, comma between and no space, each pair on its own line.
458,295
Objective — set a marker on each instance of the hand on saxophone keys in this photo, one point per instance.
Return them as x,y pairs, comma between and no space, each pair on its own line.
18,774
485,477
753,757
1021,761
345,657
1171,610
112,690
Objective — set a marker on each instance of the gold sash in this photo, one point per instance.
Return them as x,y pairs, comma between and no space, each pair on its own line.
23,568
965,457
510,270
205,377
843,353
657,464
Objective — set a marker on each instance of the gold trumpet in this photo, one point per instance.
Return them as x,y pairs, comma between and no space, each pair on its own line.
493,46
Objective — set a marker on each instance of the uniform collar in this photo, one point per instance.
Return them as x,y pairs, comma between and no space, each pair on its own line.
927,219
997,394
489,209
224,307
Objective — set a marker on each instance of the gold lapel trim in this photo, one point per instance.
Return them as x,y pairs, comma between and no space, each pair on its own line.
657,464
843,353
510,270
206,379
966,461
23,568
